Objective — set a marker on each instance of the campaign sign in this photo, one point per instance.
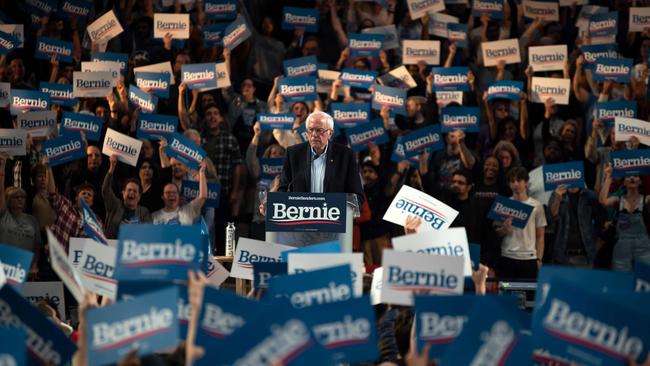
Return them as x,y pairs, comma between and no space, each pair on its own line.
603,24
37,124
348,115
299,262
305,212
365,44
463,118
457,34
327,247
60,94
296,89
5,94
423,138
630,162
28,100
505,89
15,263
345,329
270,167
64,149
398,77
16,30
199,76
639,19
7,43
13,351
416,51
220,9
409,201
301,66
548,11
546,88
504,207
450,79
607,112
45,342
300,18
13,141
547,58
249,251
283,121
357,78
165,67
149,323
391,39
47,47
142,100
97,268
641,277
419,8
263,271
50,291
91,225
104,28
438,23
506,50
121,58
598,51
157,252
178,25
493,8
213,34
317,287
215,271
616,69
405,273
89,124
155,126
185,150
79,8
571,174
190,190
64,269
125,147
394,98
94,84
363,134
156,83
102,66
236,33
450,242
627,128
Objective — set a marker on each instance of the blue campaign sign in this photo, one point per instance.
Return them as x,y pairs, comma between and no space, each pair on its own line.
156,83
300,18
301,66
398,154
7,43
128,290
365,44
346,330
91,225
185,150
40,7
184,312
450,79
270,167
505,89
630,162
64,149
89,124
236,33
148,323
121,58
79,8
199,76
328,247
493,8
213,34
424,138
13,351
16,263
28,100
464,118
220,9
596,51
282,121
616,69
263,271
350,115
60,94
571,174
603,24
313,212
298,89
322,286
357,78
153,126
394,98
607,112
457,34
360,136
190,190
475,255
641,277
47,47
504,207
46,344
157,252
139,98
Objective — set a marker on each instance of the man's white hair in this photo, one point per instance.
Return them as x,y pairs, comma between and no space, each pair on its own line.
329,121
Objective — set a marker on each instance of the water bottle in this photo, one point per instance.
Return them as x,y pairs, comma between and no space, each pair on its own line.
230,239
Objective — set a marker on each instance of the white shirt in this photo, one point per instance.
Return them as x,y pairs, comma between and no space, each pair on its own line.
318,170
521,243
183,215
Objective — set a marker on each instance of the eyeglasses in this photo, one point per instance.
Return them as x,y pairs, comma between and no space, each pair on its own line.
317,131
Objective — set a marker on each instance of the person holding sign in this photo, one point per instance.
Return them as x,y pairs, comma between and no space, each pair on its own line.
633,244
173,212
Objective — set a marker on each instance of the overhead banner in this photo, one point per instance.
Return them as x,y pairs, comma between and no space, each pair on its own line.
547,11
300,18
37,124
60,94
301,66
504,208
393,98
104,28
155,126
409,201
497,51
627,128
349,115
178,25
372,132
125,147
416,51
630,162
364,44
551,88
13,142
571,175
64,149
306,212
547,58
463,118
89,124
92,84
450,79
249,251
185,150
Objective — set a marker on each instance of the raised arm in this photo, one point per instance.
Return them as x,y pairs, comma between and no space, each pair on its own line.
604,190
252,163
110,200
579,78
199,201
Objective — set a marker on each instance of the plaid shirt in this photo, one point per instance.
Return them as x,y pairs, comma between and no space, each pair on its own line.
223,150
69,220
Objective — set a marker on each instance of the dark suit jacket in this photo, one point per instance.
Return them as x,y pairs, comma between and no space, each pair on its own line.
341,170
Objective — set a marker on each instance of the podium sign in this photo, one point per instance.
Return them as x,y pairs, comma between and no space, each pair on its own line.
306,212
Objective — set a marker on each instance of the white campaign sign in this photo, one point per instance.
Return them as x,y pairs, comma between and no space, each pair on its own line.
325,80
299,262
165,67
249,251
544,88
639,19
438,24
405,273
398,78
64,269
37,123
96,84
415,51
444,98
419,8
451,242
100,66
217,274
547,58
547,11
435,215
104,28
97,266
125,147
13,141
375,286
391,39
506,50
632,127
51,291
178,25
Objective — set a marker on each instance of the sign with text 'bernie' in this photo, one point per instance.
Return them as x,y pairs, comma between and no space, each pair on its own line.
156,83
366,133
547,58
46,344
310,212
571,174
297,89
125,147
236,33
47,47
155,126
190,190
121,58
87,123
504,208
419,8
104,28
79,8
37,124
178,25
64,149
416,51
393,98
300,18
616,69
13,142
641,277
627,128
157,252
8,43
357,78
15,30
548,11
497,51
220,9
630,162
165,67
409,201
493,8
639,19
463,118
547,88
450,79
283,121
213,34
607,112
301,66
149,323
101,66
423,138
593,52
349,115
299,262
270,167
505,89
97,268
603,25
457,34
92,84
28,100
249,251
199,76
262,272
439,320
364,44
185,150
60,94
13,351
15,263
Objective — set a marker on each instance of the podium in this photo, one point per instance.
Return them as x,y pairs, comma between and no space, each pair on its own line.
301,219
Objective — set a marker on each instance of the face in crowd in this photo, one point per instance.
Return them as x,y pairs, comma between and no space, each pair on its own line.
319,130
131,195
